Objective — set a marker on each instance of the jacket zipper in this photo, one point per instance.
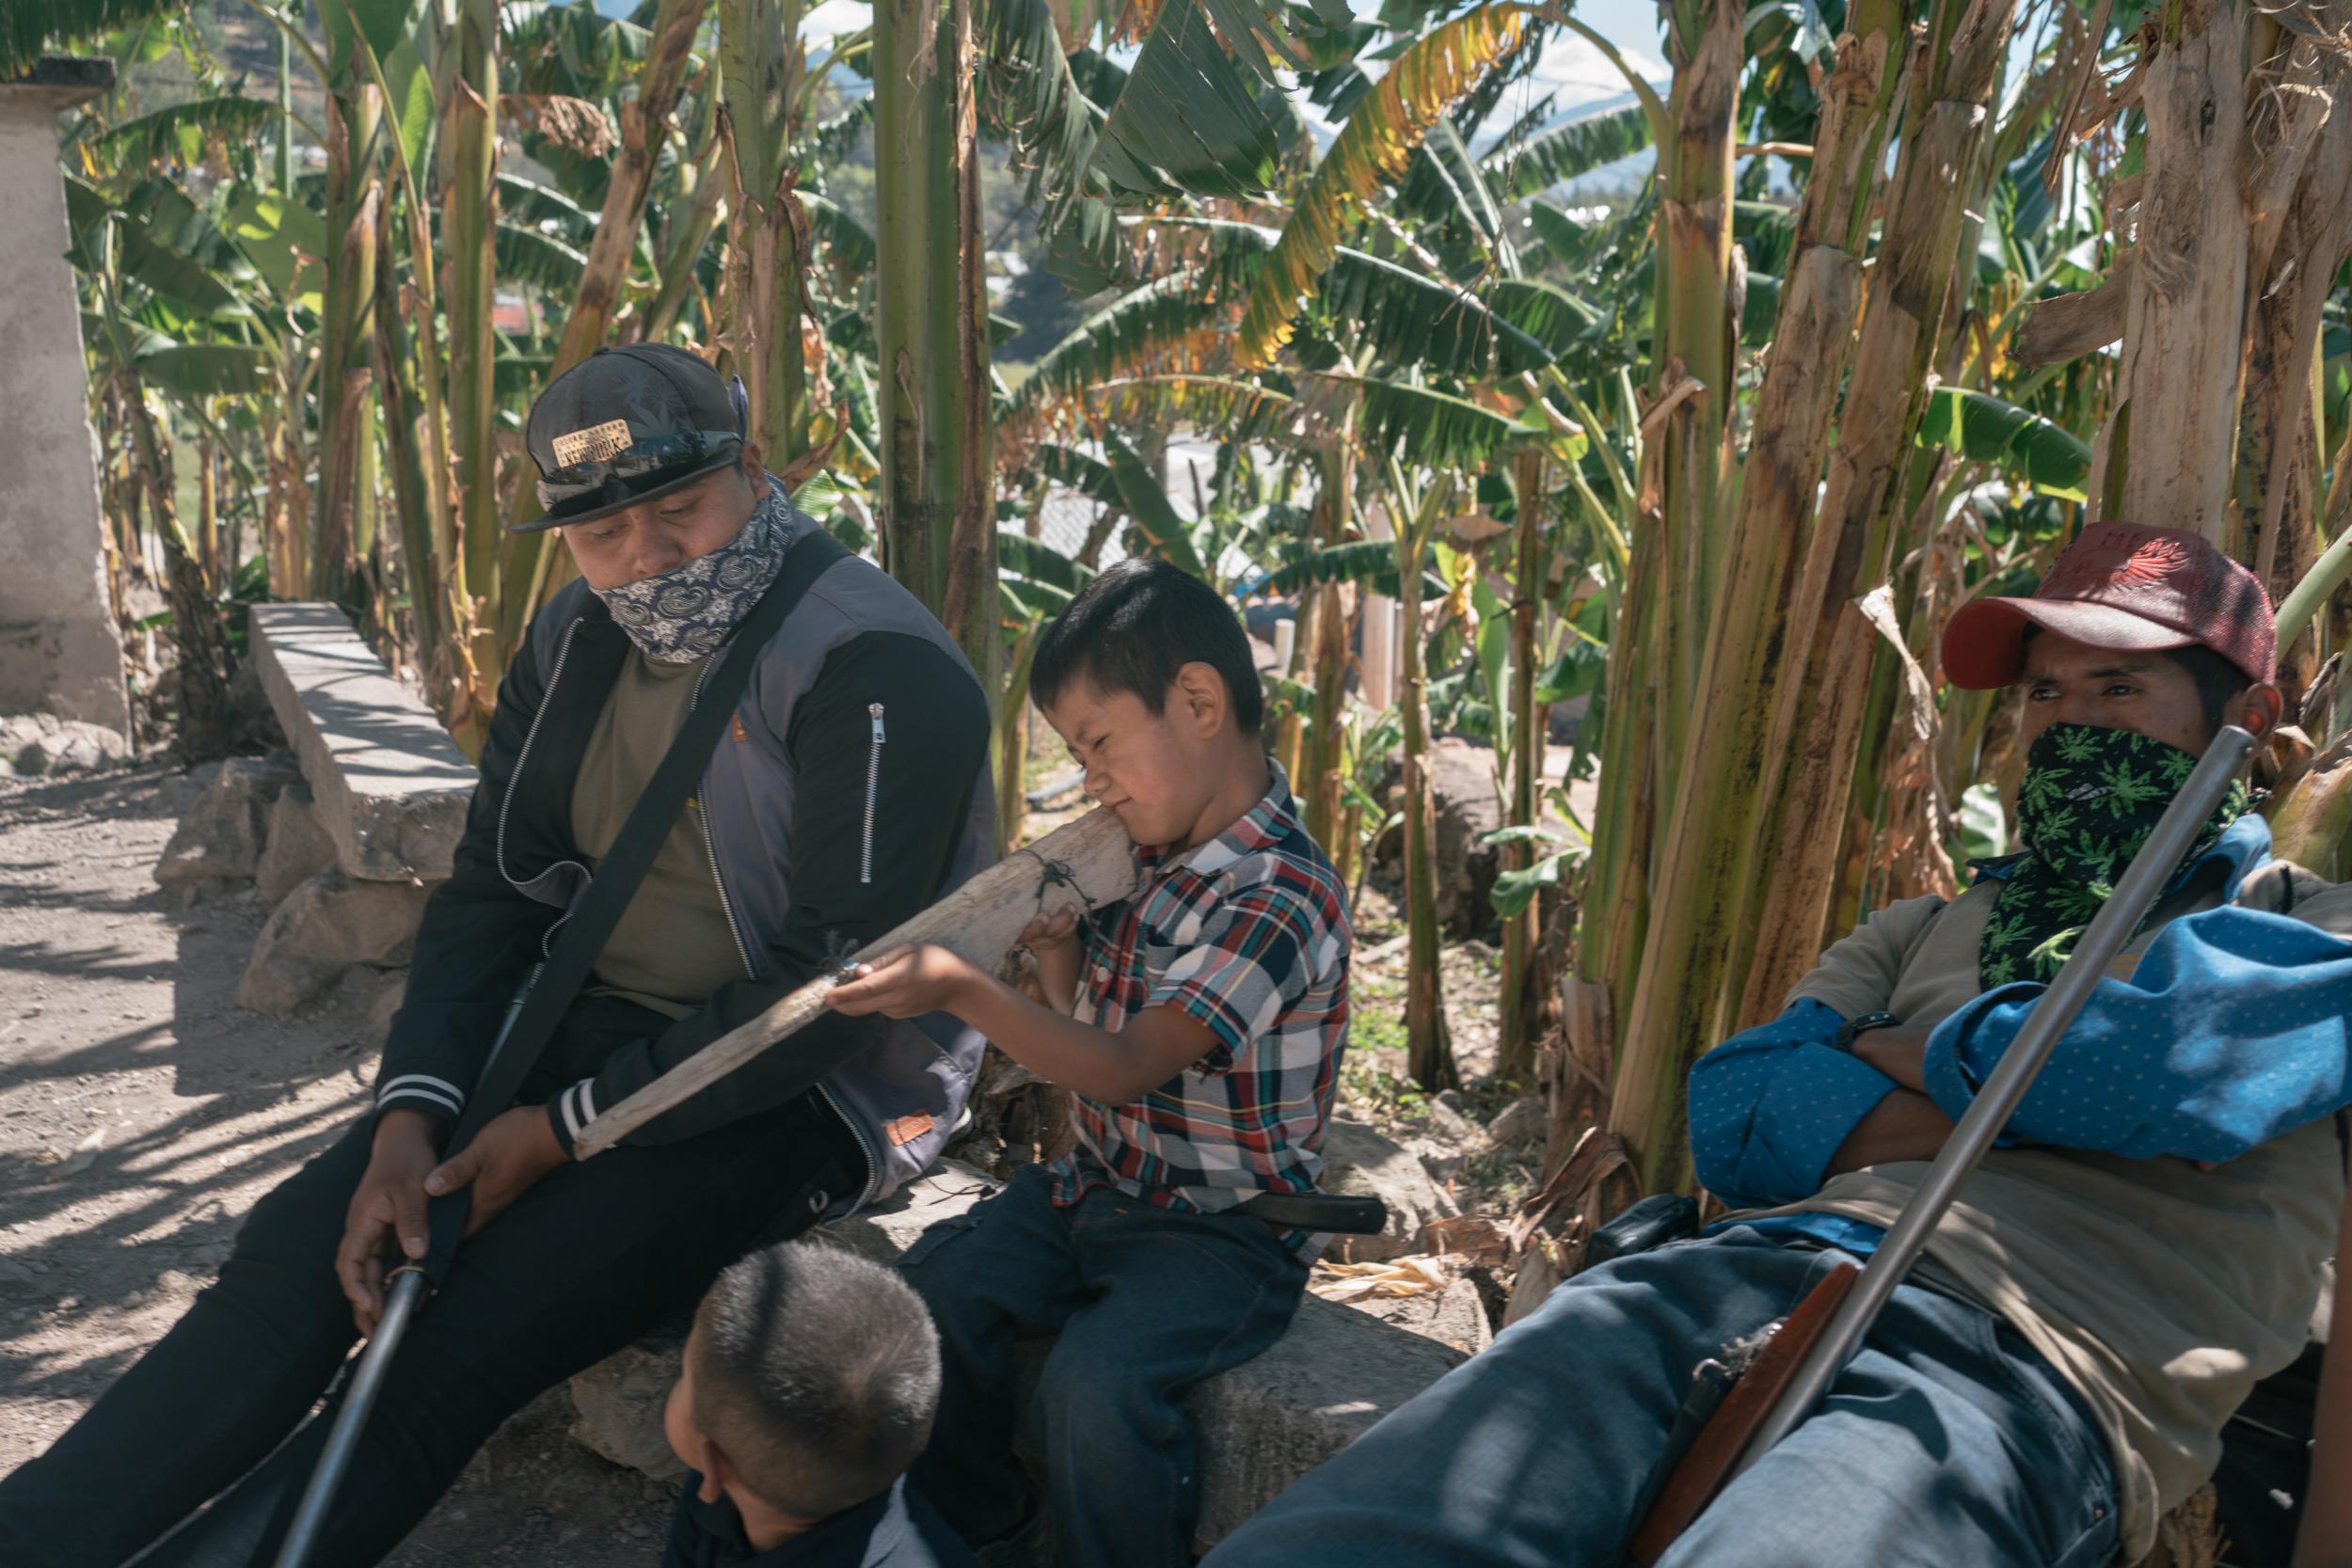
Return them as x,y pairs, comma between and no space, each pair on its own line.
873,787
742,954
563,652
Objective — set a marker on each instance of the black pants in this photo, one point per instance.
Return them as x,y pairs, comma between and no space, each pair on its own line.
582,1264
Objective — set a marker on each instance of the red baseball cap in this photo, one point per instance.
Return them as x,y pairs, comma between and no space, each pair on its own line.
2121,586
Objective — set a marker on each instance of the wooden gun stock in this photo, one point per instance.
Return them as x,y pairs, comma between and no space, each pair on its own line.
1702,1469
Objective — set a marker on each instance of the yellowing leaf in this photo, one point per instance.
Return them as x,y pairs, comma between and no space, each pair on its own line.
1372,149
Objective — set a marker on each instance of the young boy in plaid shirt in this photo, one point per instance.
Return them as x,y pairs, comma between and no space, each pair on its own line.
1198,1024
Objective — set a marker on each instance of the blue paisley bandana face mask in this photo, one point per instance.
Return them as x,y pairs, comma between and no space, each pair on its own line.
687,612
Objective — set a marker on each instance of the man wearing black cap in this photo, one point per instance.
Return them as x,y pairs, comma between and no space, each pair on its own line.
2147,1241
848,791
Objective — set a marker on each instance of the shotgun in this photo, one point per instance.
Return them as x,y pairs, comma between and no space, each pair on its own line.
1805,1352
405,1289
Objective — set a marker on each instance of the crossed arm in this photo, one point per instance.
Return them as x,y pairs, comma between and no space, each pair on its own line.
2235,1028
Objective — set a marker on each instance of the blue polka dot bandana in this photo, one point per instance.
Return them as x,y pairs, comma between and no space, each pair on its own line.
2090,799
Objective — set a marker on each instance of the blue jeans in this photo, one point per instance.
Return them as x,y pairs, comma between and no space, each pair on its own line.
1147,1303
1949,1441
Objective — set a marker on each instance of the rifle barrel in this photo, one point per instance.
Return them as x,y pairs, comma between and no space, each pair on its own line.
2109,933
399,1302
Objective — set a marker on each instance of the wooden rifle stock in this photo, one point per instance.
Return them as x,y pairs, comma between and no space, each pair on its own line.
1706,1465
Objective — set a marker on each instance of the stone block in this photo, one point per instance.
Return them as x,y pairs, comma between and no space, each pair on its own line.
295,847
1262,1425
325,926
390,787
1360,1162
219,840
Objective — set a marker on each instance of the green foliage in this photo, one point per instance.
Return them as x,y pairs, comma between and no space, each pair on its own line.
1984,429
1518,169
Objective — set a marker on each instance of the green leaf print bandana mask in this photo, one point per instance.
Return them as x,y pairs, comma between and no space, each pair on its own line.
2090,800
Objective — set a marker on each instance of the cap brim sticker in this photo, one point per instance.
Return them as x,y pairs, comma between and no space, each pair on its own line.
596,444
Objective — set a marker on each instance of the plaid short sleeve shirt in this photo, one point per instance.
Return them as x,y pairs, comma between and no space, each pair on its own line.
1249,934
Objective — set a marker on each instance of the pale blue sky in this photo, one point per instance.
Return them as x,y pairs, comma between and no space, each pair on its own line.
1571,65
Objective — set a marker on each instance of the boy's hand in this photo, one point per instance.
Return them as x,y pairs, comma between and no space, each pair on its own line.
387,1212
1050,931
907,982
506,1160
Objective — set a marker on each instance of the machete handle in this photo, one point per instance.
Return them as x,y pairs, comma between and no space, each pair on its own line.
1702,1471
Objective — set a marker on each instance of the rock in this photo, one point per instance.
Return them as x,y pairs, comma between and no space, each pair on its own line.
619,1403
1518,1125
324,928
35,744
219,840
295,848
1360,1162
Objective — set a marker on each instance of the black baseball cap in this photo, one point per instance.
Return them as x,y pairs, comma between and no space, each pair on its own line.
627,425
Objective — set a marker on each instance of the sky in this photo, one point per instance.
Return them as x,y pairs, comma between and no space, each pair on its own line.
1571,66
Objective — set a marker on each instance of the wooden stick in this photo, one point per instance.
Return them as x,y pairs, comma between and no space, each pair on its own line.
1086,864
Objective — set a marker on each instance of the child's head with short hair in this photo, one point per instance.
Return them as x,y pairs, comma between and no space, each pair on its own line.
1147,676
809,1384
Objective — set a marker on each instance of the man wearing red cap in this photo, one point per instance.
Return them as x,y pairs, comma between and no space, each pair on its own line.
2145,1244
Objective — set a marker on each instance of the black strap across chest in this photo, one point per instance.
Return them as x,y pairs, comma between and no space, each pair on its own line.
581,939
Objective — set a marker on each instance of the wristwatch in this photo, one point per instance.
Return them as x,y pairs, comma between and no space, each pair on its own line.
1849,1033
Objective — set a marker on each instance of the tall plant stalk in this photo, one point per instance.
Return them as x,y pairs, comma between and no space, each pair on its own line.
937,522
469,160
760,63
1521,932
355,112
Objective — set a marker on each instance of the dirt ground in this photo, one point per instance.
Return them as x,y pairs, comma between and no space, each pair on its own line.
142,1114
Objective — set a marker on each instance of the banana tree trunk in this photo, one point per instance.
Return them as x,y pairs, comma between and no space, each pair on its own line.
468,155
1320,781
759,61
2303,189
196,634
2183,325
1818,729
354,116
704,193
415,493
1687,436
1522,932
937,521
1428,1044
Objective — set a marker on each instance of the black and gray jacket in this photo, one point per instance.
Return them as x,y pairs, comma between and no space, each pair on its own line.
850,792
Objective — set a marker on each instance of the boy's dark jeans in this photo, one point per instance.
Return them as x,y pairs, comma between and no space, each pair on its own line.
584,1264
1147,1303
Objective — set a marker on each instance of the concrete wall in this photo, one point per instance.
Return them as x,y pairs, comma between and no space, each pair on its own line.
58,652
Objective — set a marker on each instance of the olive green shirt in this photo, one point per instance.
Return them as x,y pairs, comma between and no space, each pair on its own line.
674,946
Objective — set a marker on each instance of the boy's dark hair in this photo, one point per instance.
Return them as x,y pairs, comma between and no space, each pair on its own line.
2215,678
1133,627
818,1377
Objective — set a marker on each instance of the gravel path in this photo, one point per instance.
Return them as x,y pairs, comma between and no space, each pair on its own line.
142,1116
